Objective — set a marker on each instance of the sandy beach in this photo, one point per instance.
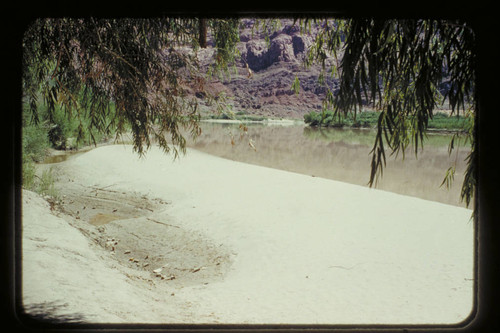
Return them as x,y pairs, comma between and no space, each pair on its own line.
206,240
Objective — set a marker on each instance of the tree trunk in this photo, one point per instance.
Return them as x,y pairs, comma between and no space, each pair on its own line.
203,33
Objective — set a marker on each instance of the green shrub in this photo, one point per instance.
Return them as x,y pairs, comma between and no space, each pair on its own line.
326,119
58,132
34,142
443,121
370,118
34,147
312,118
61,127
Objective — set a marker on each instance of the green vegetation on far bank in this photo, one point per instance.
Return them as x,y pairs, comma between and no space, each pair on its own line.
368,119
330,119
240,115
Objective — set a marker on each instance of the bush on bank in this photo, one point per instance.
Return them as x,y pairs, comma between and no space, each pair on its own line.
368,119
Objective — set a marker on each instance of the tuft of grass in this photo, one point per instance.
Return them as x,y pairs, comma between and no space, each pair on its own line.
28,170
46,184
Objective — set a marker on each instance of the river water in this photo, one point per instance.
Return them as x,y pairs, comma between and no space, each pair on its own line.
333,153
338,154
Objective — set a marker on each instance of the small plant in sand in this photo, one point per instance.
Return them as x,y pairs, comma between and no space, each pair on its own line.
45,184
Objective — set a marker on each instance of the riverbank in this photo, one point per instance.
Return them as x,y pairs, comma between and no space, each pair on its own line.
263,121
206,240
442,121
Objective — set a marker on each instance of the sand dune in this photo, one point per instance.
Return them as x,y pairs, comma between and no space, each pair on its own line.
244,244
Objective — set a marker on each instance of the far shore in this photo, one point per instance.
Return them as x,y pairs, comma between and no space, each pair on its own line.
266,121
125,138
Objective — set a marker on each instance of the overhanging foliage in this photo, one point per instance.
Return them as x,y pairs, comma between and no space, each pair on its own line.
143,66
397,66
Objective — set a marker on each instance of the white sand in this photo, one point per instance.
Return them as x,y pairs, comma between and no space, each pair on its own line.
298,249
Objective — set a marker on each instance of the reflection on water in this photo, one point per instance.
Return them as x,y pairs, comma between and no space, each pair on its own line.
339,154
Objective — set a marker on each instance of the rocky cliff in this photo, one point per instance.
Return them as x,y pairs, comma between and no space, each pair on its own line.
274,64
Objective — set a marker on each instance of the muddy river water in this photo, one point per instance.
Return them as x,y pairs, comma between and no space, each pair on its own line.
338,154
333,153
